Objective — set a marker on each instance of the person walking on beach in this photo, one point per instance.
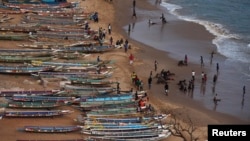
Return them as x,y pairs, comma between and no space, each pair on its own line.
202,63
186,59
129,28
149,82
244,90
134,13
166,89
109,29
131,59
134,3
163,19
217,67
111,40
193,75
156,64
212,54
216,99
215,79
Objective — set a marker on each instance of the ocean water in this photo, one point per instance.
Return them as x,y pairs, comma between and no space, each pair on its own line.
229,21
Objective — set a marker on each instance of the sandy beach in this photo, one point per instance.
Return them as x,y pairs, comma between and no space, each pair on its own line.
119,15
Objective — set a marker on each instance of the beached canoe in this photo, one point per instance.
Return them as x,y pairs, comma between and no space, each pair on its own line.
14,37
34,105
23,69
113,97
91,81
11,93
51,129
112,106
84,49
26,52
121,112
86,88
87,105
23,59
66,75
36,113
138,137
128,133
65,64
24,98
124,128
86,92
136,119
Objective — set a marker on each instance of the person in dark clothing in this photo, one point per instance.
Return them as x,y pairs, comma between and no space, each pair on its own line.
134,3
118,87
98,59
217,67
215,78
134,13
244,90
129,28
166,88
149,82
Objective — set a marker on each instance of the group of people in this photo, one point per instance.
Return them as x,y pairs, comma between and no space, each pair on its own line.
186,87
137,82
163,20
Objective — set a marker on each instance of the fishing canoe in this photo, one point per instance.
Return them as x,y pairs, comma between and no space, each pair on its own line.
84,49
24,28
117,120
25,52
23,69
66,75
112,106
104,113
67,64
23,59
67,56
11,93
139,137
86,88
34,105
14,37
37,4
114,109
91,81
134,133
89,92
87,105
50,45
117,97
137,119
51,129
36,113
42,98
124,128
89,70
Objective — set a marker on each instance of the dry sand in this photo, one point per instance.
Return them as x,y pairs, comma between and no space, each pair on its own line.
119,14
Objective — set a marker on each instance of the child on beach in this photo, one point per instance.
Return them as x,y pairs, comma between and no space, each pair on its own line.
131,59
